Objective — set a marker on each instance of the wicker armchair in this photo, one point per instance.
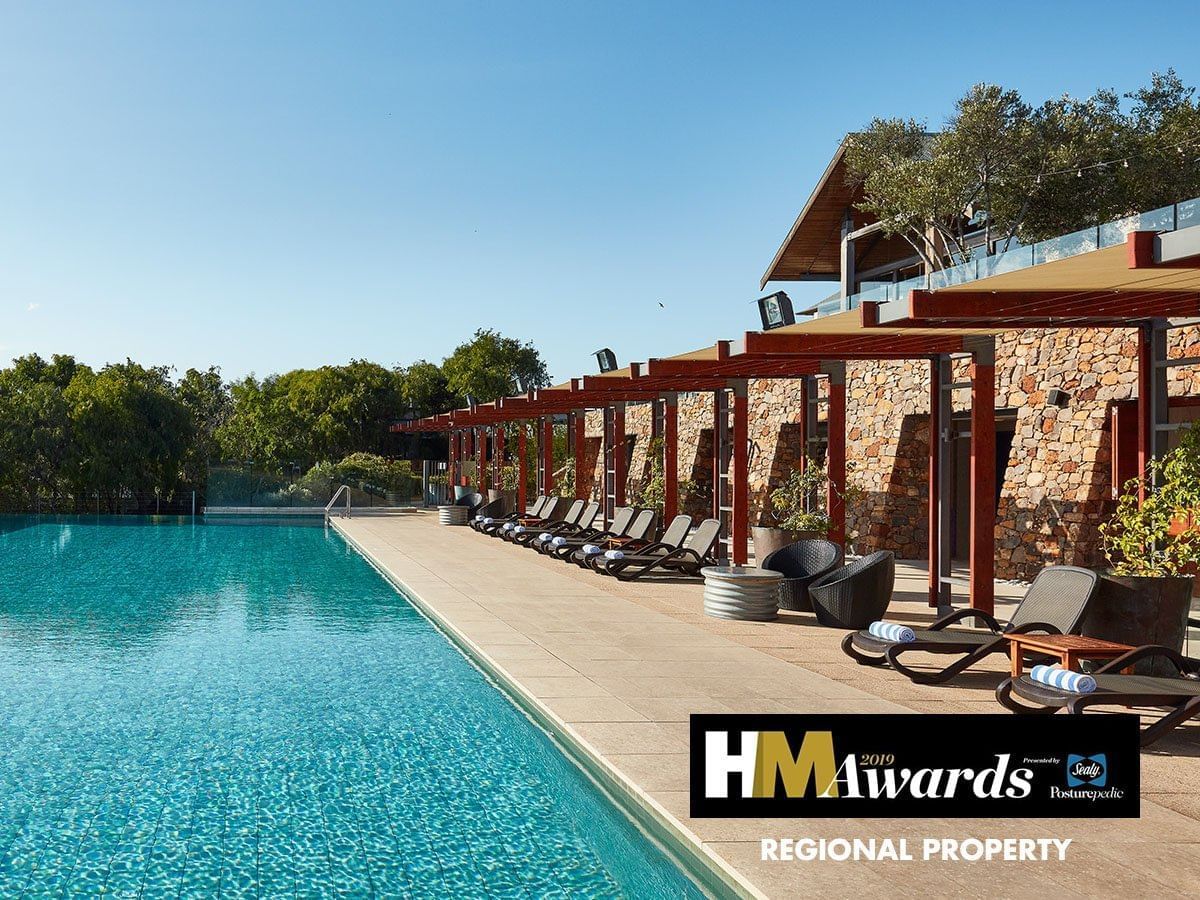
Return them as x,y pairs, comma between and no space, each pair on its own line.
801,564
855,595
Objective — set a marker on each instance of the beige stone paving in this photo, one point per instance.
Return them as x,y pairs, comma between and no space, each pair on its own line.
622,665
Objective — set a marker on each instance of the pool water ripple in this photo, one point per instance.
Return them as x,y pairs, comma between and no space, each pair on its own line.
251,710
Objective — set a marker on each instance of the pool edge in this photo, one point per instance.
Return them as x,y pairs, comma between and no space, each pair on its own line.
702,865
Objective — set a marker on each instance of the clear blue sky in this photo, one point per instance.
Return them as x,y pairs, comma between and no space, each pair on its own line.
270,185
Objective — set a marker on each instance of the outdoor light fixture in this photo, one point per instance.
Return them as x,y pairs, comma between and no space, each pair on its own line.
1058,397
471,403
607,360
522,384
776,310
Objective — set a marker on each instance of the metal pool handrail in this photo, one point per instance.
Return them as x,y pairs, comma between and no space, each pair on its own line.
345,488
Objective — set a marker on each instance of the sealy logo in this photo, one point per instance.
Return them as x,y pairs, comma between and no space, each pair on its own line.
912,766
768,766
1091,771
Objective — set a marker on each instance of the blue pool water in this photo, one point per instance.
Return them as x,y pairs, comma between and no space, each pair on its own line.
251,710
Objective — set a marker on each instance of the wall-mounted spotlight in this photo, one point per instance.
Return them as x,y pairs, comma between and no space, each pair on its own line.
1058,397
776,310
607,360
471,404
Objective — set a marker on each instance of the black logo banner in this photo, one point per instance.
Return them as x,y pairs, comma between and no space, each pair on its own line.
915,766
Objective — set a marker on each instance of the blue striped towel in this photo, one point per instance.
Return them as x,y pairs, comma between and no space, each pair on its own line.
1063,679
890,631
591,549
543,537
519,529
557,541
614,554
509,526
488,521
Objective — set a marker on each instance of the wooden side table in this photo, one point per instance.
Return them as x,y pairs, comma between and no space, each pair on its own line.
1069,648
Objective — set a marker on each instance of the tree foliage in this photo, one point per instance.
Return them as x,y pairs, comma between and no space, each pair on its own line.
490,366
1022,173
128,437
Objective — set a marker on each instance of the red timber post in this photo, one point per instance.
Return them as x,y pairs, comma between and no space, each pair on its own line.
835,454
481,460
498,457
1153,401
740,481
941,376
468,452
619,449
583,487
983,475
547,454
670,449
522,468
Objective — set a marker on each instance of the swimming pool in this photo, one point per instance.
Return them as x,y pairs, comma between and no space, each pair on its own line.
251,710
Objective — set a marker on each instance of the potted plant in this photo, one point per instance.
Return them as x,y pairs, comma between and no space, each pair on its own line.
1146,597
797,510
510,479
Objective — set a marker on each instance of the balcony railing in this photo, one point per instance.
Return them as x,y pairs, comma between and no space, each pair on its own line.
1168,218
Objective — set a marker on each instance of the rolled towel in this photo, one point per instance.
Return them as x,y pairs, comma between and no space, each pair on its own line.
479,517
558,541
1063,679
591,549
488,520
509,526
891,631
543,537
614,554
520,529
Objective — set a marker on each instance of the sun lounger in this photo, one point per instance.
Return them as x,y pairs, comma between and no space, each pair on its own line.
497,521
566,528
528,531
695,553
1054,604
1179,695
673,537
622,519
628,525
551,510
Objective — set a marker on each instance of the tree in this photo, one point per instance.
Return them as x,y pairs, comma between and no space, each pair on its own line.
491,366
1011,172
425,389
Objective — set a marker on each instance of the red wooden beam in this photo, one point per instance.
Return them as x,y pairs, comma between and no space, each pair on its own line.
740,478
835,454
850,346
983,480
1046,309
935,481
522,468
547,447
670,450
619,447
583,487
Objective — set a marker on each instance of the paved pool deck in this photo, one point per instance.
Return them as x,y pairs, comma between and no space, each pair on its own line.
618,668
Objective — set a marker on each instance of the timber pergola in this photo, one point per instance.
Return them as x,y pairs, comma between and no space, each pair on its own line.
1150,283
843,338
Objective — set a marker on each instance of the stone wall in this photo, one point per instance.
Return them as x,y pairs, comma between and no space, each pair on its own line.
1056,488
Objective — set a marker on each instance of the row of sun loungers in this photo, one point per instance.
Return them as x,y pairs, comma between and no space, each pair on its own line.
1056,603
626,549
